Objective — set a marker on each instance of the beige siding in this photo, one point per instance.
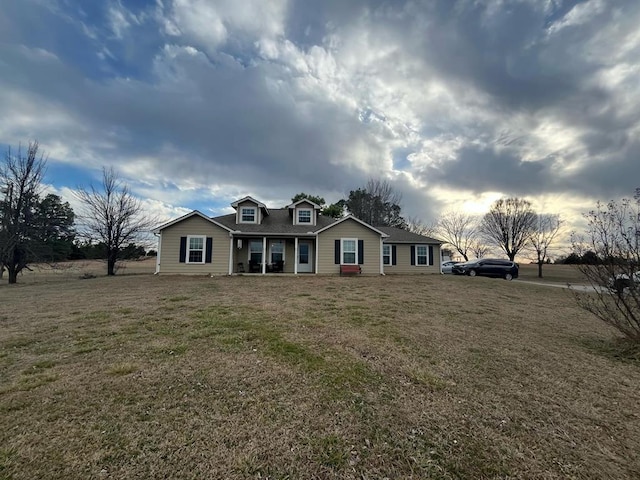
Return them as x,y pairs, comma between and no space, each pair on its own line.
170,248
348,229
403,260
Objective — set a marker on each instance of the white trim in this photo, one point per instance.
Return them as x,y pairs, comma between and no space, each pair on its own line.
248,198
297,216
158,252
264,255
241,215
305,200
189,215
295,253
231,239
204,249
351,217
426,246
390,255
314,269
342,252
258,204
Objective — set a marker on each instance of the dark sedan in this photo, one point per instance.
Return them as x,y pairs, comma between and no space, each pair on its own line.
488,267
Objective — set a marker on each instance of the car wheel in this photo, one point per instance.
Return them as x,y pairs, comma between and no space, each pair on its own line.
508,277
472,273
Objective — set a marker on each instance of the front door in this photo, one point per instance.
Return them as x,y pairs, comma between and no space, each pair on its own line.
305,251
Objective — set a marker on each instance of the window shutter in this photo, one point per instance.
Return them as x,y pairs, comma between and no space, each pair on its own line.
413,254
209,250
394,255
337,252
360,252
430,254
183,249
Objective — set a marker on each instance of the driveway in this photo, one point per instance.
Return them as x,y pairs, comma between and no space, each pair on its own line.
580,288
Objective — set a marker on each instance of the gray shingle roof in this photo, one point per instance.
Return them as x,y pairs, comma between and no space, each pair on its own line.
397,235
278,221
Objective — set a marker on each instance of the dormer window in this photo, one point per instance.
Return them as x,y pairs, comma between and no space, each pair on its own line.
248,215
304,215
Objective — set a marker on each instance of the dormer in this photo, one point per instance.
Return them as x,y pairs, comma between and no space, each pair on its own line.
304,212
249,210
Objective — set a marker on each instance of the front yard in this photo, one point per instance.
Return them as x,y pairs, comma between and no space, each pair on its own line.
312,377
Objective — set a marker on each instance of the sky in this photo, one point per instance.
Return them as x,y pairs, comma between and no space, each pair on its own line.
197,103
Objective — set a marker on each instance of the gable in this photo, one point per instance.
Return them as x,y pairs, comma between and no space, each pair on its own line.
349,227
193,225
191,215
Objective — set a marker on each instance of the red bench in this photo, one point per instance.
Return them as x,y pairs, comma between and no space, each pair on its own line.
350,270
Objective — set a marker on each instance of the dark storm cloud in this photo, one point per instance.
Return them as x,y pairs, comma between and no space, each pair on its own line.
487,170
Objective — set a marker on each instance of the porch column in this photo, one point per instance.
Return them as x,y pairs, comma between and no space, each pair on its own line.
295,256
158,253
264,255
230,253
382,257
315,267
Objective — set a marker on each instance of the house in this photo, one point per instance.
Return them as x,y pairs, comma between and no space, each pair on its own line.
296,239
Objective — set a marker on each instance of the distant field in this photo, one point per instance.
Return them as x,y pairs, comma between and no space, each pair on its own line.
240,377
72,270
552,274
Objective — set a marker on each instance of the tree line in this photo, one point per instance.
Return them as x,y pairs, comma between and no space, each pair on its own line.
39,227
511,224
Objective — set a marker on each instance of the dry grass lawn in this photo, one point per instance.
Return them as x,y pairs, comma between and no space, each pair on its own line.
140,376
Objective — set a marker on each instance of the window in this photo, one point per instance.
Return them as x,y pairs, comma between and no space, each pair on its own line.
277,251
195,249
349,251
248,215
386,254
422,257
255,251
304,216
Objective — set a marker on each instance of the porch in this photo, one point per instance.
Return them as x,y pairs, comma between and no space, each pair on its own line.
272,255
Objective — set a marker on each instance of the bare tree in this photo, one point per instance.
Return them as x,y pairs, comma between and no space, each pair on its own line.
478,249
112,215
509,224
415,225
459,230
20,186
544,233
613,234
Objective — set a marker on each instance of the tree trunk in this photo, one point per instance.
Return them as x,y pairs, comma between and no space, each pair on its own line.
540,268
13,275
111,263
